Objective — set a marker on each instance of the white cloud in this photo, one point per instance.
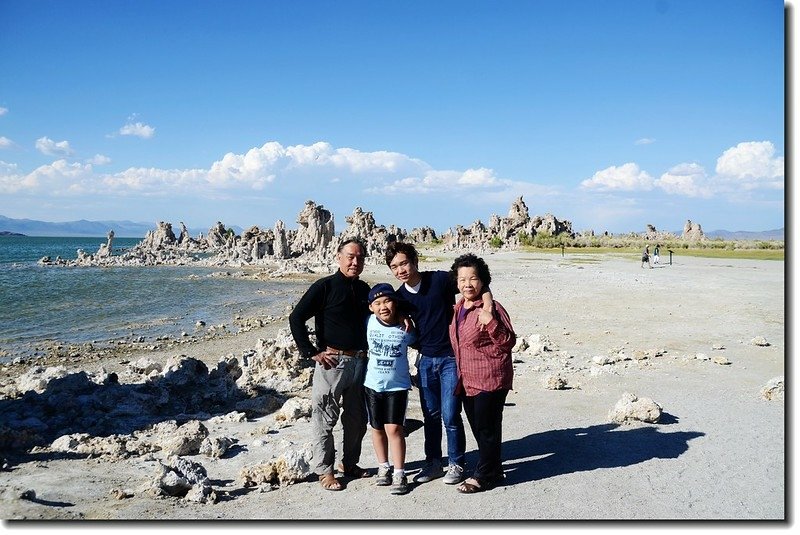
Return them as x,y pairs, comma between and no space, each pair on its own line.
151,181
750,163
446,180
11,179
317,170
138,129
56,179
99,159
47,146
262,165
688,179
299,167
627,177
5,142
645,141
3,111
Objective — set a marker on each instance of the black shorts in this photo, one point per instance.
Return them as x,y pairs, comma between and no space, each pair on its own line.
386,407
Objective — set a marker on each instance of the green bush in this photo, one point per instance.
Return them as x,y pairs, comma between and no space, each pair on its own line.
496,242
524,239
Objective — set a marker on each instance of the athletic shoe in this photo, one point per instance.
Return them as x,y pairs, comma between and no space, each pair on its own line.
384,476
455,474
399,485
432,470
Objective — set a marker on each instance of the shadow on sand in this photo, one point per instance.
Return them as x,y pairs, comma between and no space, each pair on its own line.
565,451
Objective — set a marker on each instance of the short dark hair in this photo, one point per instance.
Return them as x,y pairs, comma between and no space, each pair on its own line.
407,249
357,241
470,260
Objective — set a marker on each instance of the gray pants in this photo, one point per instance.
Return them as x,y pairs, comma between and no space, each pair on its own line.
340,388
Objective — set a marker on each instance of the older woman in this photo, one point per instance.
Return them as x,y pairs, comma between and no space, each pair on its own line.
485,373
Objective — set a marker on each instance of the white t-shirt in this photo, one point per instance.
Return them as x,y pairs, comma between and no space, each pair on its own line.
387,367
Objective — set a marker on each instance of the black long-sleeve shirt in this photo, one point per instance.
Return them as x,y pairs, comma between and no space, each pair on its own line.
339,307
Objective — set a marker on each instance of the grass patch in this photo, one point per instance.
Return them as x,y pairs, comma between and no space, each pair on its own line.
625,252
580,250
741,254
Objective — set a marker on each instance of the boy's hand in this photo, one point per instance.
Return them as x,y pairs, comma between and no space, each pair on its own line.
484,317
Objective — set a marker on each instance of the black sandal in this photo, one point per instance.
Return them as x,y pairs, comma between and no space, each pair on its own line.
465,487
354,472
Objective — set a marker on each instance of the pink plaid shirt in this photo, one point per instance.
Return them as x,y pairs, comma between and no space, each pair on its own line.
483,356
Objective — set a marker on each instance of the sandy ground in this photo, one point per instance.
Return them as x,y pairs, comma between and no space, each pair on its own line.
717,454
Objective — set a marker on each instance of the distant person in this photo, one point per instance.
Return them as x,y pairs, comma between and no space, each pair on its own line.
432,296
656,254
646,256
338,304
485,371
386,385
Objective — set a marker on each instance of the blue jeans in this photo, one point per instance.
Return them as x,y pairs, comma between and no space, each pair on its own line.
438,377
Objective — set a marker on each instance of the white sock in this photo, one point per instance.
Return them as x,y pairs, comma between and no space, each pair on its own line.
399,472
384,465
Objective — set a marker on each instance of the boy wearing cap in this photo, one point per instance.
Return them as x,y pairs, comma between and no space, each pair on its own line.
387,383
431,297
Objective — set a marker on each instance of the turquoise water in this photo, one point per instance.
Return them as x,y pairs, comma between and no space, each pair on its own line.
91,304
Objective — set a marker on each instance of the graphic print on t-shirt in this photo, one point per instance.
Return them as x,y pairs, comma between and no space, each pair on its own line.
386,346
387,367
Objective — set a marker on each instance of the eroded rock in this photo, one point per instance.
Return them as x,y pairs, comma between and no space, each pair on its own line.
631,408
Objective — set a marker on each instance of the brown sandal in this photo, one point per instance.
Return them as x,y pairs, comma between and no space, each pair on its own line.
329,482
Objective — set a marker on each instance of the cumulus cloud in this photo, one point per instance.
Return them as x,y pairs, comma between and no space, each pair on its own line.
751,163
138,129
262,165
58,178
99,159
746,167
436,181
273,166
627,177
11,179
5,142
48,147
3,111
645,141
688,179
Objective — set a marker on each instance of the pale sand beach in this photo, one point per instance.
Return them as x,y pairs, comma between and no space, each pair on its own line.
717,453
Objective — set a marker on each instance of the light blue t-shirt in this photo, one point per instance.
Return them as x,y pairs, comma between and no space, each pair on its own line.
387,367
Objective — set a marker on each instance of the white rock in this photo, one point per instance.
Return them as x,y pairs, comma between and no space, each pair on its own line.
774,389
631,408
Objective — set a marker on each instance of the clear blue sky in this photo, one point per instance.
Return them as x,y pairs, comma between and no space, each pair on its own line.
612,114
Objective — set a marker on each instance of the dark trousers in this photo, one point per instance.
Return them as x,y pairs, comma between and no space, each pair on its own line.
485,416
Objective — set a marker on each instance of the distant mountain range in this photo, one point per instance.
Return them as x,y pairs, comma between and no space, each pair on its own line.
84,228
777,234
132,229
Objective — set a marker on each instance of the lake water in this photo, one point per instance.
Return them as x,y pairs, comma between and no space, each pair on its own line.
85,304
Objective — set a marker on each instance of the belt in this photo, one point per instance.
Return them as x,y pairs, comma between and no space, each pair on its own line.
355,354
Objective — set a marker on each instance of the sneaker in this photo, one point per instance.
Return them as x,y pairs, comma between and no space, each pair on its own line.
432,470
399,485
455,474
384,476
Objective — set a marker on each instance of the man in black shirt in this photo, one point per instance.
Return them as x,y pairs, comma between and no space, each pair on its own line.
338,304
